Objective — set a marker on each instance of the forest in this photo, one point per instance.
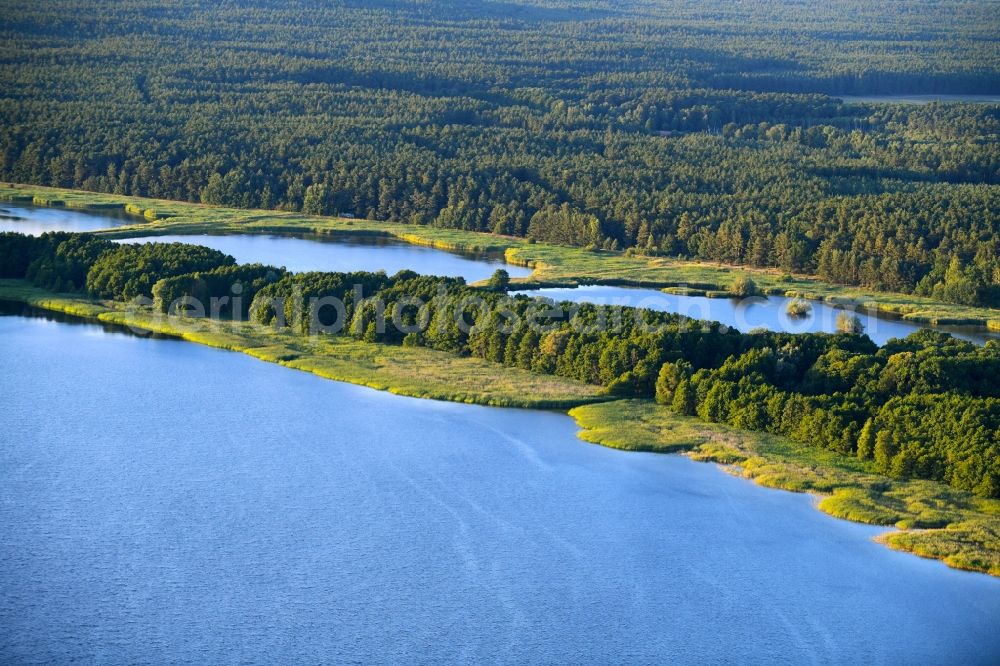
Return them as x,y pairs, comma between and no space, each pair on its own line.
586,123
927,406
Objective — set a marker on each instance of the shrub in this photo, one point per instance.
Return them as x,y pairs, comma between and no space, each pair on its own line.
743,286
849,323
499,281
798,308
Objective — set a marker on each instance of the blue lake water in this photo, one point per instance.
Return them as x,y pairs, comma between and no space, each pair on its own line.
36,220
307,254
161,501
757,312
295,254
919,99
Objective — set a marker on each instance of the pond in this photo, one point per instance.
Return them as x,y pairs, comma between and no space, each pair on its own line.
919,99
36,220
345,254
167,502
295,254
757,312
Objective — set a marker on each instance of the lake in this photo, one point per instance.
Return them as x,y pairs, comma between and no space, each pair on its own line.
345,254
919,99
36,220
295,254
757,312
167,502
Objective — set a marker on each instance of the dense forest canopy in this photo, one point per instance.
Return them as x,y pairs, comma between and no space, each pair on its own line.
707,129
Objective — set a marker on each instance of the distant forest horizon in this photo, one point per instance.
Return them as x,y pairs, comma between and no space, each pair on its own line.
706,130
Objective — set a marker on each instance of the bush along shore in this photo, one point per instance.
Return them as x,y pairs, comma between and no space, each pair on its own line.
554,265
903,435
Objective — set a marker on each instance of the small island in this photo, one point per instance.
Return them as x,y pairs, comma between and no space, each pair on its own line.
798,308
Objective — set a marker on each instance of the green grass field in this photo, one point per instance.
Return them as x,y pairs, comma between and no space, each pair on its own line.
553,265
935,520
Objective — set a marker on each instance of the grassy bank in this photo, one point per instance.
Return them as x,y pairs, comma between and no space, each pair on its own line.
934,520
553,265
411,371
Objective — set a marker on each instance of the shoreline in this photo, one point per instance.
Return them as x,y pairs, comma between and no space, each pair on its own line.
553,266
932,520
410,371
